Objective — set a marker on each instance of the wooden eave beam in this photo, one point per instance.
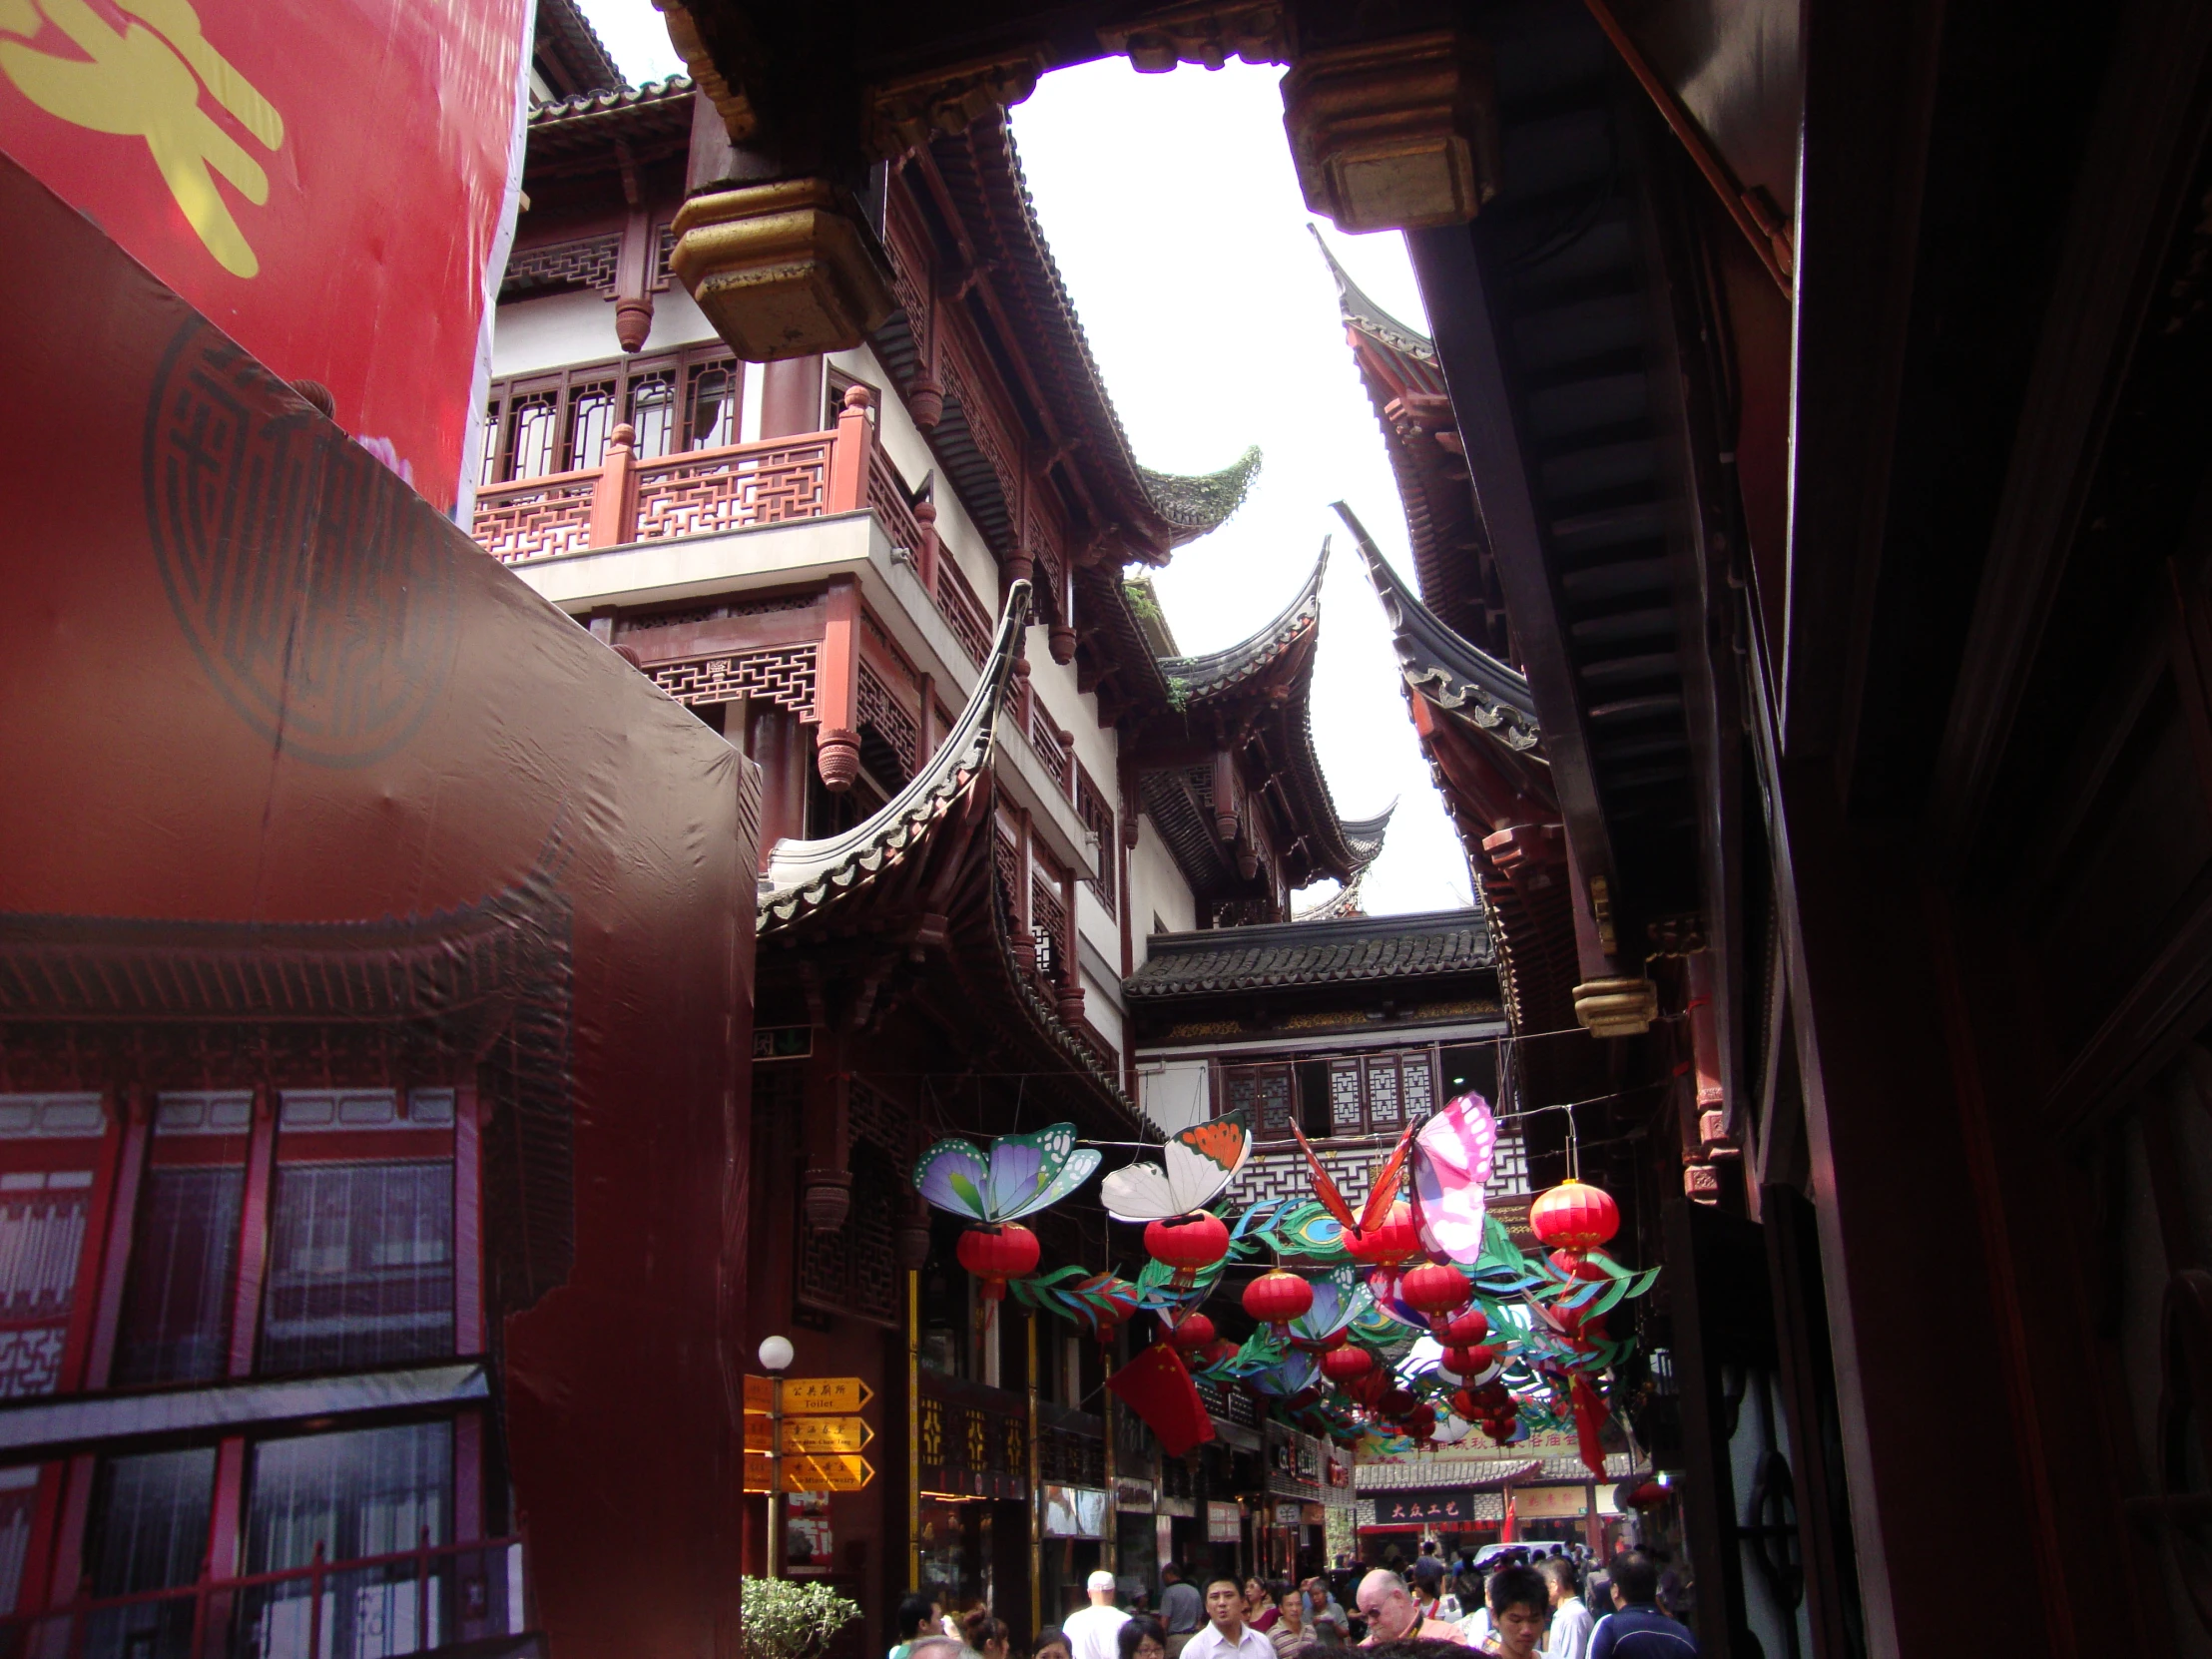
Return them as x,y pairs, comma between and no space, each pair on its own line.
1455,290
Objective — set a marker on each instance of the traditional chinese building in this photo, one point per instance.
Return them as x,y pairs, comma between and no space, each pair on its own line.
893,576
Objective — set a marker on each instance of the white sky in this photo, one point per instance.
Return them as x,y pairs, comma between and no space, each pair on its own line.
1176,223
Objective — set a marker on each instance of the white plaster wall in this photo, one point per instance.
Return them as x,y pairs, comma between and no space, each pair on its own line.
530,337
1091,919
1099,1009
1173,1093
1156,888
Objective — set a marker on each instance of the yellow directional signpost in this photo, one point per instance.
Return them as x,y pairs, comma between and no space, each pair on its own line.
802,1435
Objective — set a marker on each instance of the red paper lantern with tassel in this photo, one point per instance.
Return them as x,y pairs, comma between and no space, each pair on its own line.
1575,1216
1192,1333
1463,1329
1187,1244
1275,1298
1433,1288
995,1255
1391,1245
1342,1364
1470,1362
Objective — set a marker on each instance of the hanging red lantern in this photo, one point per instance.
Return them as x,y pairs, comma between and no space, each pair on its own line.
1465,1403
1394,1243
995,1255
1433,1288
1192,1333
1396,1402
1187,1244
1275,1298
1221,1352
1470,1362
1575,1216
1342,1364
1370,1388
1649,1496
1463,1329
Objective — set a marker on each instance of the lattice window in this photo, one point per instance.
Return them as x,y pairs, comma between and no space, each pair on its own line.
853,1272
1384,1112
653,414
882,714
1005,867
1048,918
1508,1161
784,676
1265,1095
1346,1110
681,401
585,263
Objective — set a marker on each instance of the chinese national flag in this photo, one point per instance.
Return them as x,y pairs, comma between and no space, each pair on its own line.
1156,1386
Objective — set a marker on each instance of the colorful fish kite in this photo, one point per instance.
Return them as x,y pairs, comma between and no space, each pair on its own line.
1199,1165
1025,1174
1451,1165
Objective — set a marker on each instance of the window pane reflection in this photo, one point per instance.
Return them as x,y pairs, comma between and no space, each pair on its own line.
531,444
372,1491
153,1535
176,1304
653,416
360,1265
591,421
714,407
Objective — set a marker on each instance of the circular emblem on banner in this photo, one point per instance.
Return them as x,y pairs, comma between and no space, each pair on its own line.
312,582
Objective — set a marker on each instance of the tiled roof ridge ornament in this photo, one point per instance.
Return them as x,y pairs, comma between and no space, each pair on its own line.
801,873
1445,668
1215,670
1358,309
1364,835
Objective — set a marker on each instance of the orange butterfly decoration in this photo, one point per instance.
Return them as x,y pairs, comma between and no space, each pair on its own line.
1380,1195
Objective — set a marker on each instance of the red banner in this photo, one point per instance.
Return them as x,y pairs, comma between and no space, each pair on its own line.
321,179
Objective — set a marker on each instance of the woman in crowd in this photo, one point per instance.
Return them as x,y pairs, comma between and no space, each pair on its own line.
985,1635
1260,1611
1140,1638
1051,1643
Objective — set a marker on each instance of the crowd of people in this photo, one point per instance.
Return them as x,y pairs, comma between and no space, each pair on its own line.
1520,1603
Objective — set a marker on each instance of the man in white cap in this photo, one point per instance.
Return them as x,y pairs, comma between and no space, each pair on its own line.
1095,1632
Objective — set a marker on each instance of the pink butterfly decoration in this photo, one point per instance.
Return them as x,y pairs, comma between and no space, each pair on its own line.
1451,1165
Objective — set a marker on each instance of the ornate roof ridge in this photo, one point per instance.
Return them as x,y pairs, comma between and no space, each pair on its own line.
802,874
1187,504
1341,904
666,90
1364,835
573,44
1359,311
1213,671
1446,669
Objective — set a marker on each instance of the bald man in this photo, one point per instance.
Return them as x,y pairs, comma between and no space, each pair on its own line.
1388,1606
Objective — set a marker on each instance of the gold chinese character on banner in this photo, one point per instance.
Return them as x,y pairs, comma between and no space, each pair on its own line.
145,81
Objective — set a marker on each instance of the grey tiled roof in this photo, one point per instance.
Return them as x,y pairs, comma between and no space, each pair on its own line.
1353,950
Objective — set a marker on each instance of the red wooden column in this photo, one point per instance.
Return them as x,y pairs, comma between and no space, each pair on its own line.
614,498
260,1173
107,1241
838,687
469,1226
1071,970
847,488
1025,936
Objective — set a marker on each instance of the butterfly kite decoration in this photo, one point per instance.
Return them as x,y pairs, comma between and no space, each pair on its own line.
1197,1167
1022,1175
1362,1234
1450,1168
1340,1300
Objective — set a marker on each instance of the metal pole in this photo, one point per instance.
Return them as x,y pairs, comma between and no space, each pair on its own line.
913,1429
776,1478
1109,1552
1036,1496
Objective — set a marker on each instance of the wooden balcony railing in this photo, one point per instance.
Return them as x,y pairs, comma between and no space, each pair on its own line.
709,492
373,1607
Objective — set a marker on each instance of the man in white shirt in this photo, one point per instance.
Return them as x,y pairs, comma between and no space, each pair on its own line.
1571,1623
1226,1635
1095,1632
